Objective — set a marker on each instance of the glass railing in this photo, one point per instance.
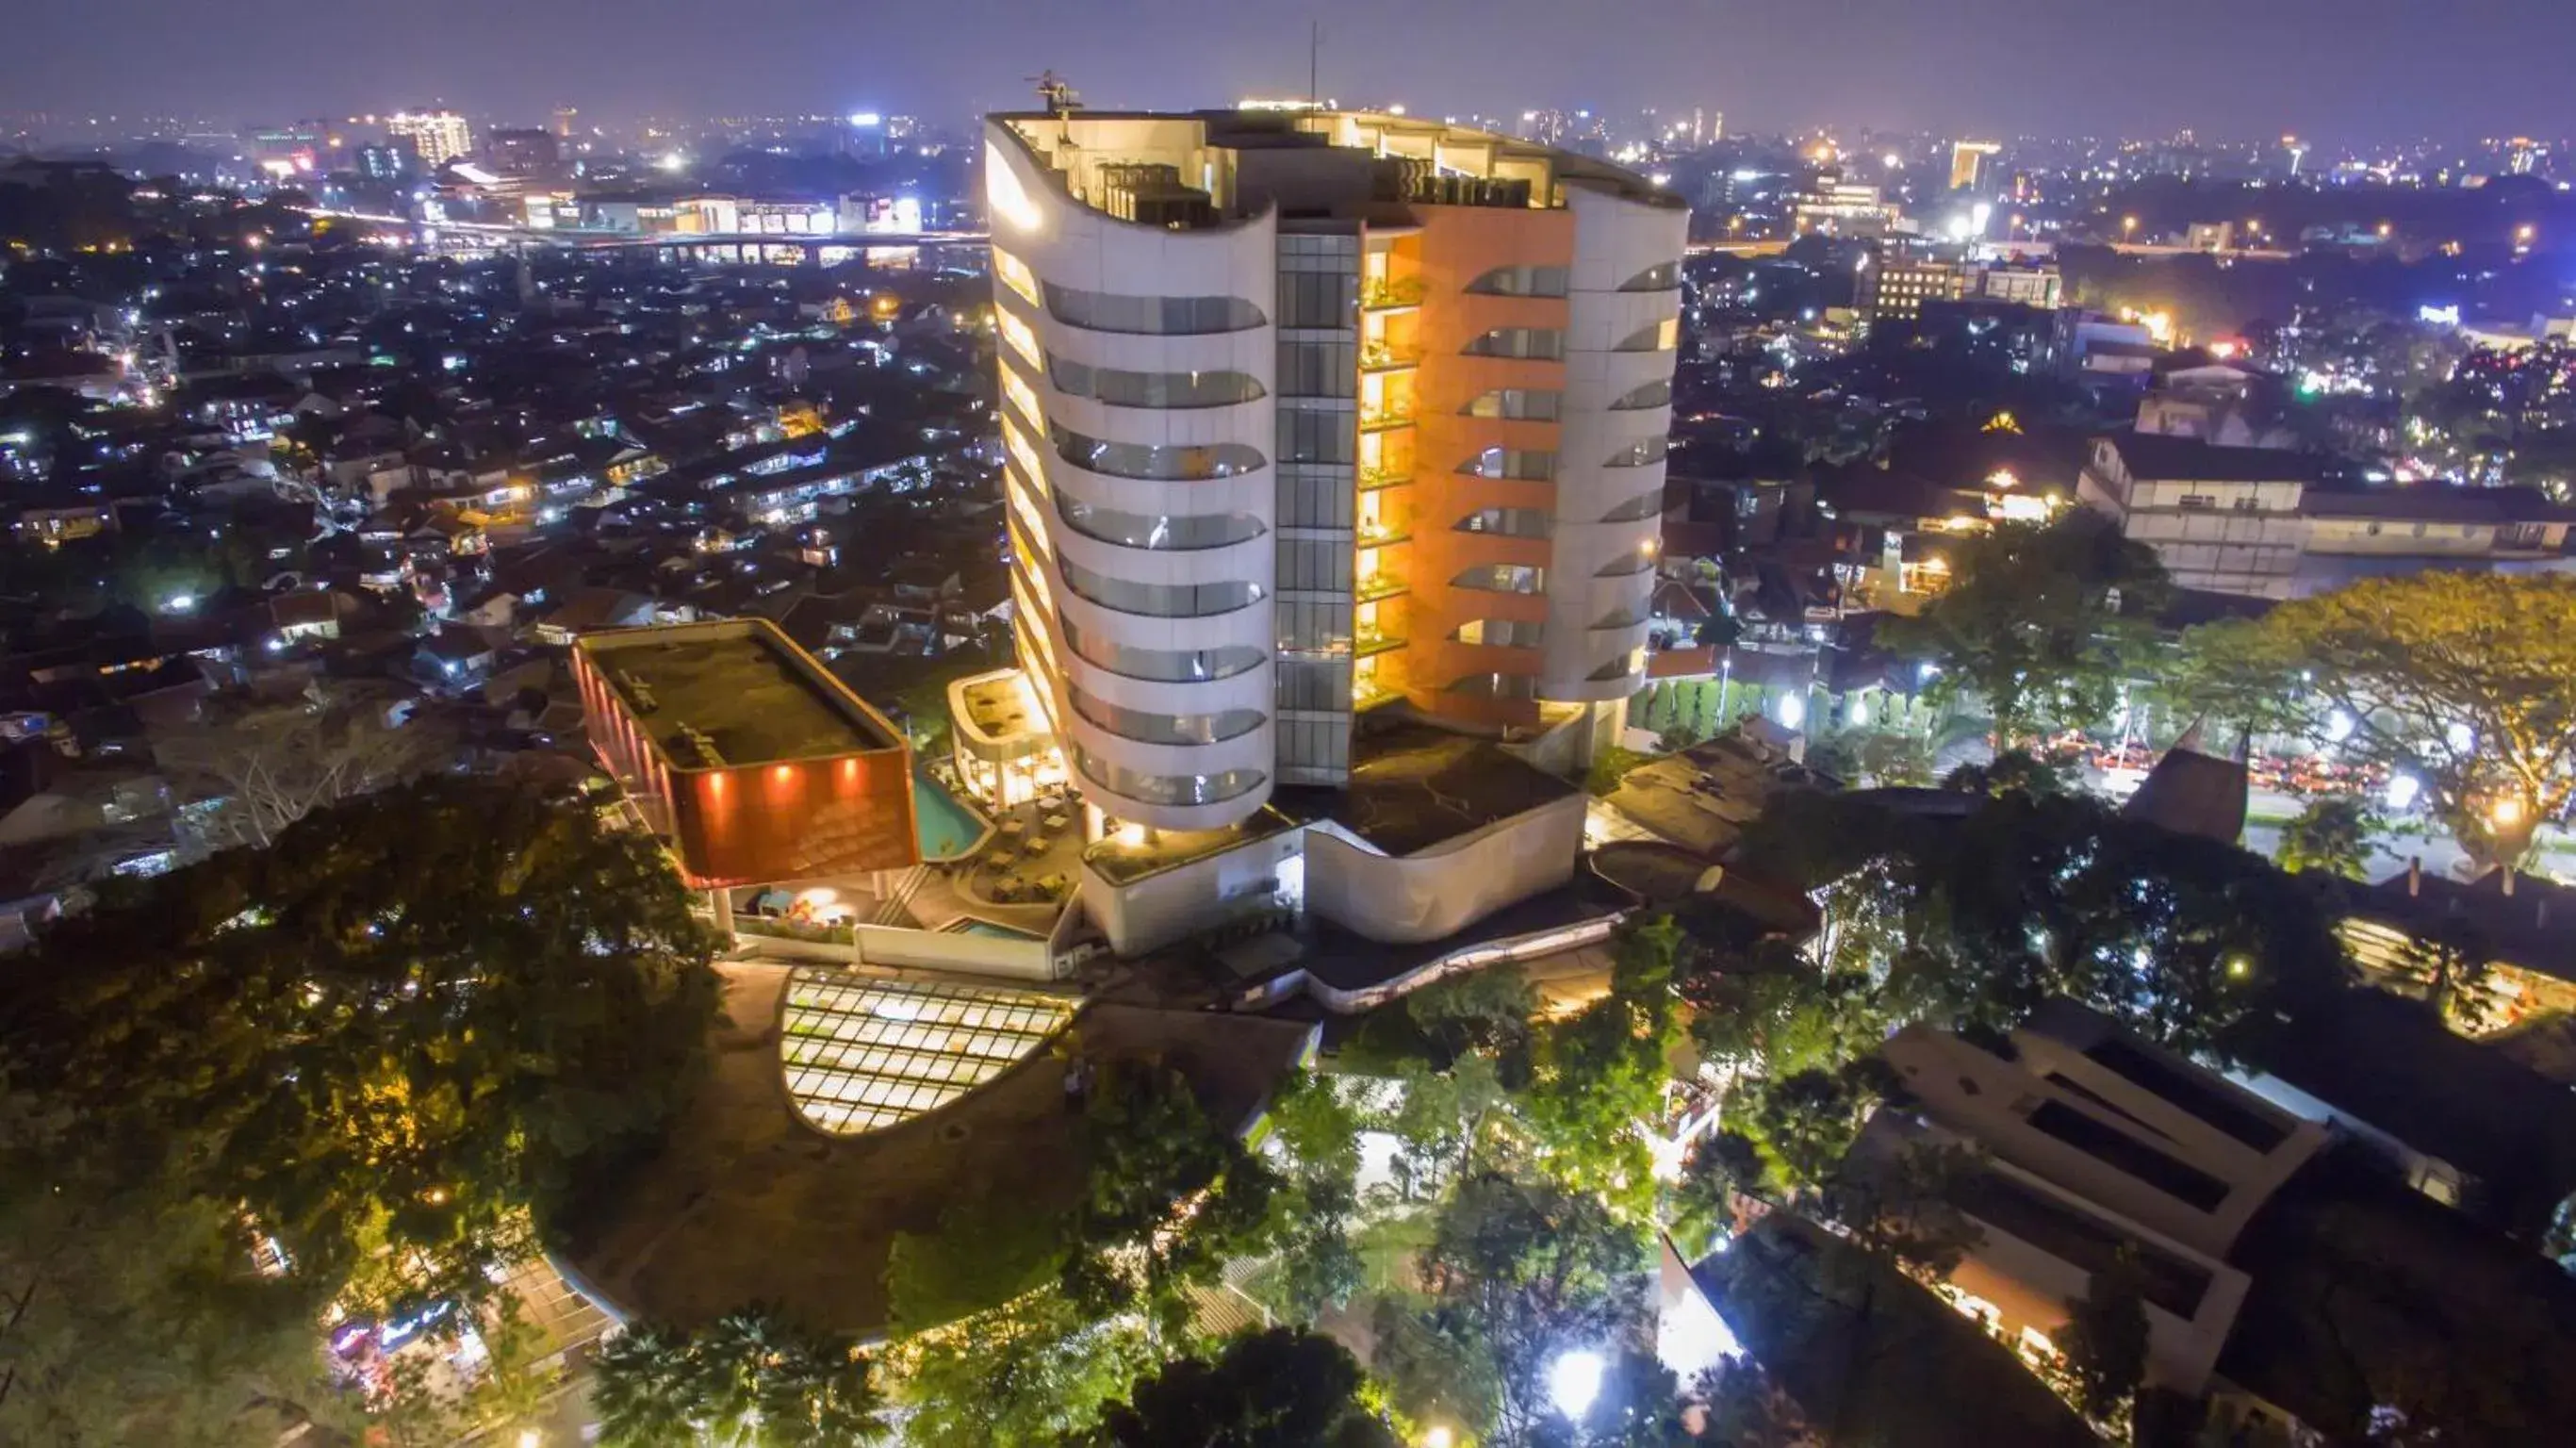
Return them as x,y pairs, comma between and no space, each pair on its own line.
1379,585
1384,293
1372,691
1372,640
1374,478
1380,357
1379,419
1384,535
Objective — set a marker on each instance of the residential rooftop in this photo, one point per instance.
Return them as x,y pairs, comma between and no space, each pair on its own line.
1414,786
1132,854
719,695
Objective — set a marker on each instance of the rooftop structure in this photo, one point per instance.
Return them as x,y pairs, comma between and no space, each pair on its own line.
745,754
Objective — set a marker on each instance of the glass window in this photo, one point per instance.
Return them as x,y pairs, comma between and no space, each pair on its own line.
1508,522
1637,509
1319,299
1495,686
1500,633
1150,728
1318,369
1185,463
1523,281
1532,404
1661,277
1322,684
1160,600
1658,393
1546,343
1625,615
1121,388
1317,435
1167,789
1314,496
1014,273
1315,564
1150,316
1661,336
1521,464
1161,666
1627,565
1173,532
1502,578
1642,453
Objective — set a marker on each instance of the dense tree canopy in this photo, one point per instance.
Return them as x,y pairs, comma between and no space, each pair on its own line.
2038,622
751,1380
382,1045
1281,1388
2464,681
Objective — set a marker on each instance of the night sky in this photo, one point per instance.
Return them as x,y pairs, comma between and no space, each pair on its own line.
2356,70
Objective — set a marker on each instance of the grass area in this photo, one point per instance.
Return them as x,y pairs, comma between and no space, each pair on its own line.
787,930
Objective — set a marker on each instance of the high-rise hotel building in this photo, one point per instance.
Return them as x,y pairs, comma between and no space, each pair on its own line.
1308,411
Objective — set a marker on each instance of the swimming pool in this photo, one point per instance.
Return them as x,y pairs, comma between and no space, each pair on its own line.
946,827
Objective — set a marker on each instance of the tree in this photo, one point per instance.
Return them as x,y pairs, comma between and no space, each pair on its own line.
2039,622
1599,1075
2464,681
1518,1269
390,1037
2105,1338
1315,1142
1281,1388
750,1380
265,767
2448,962
1033,1371
2331,834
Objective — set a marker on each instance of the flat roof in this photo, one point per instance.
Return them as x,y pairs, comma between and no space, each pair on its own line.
739,684
1414,786
1124,861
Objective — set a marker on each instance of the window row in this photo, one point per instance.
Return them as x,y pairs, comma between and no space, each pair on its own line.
1524,281
1161,666
1173,463
1146,727
1495,686
1529,404
1502,578
1150,316
1166,789
1176,533
1500,633
1160,600
1121,388
1508,522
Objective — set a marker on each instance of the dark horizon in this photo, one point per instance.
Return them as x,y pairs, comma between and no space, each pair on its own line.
2359,72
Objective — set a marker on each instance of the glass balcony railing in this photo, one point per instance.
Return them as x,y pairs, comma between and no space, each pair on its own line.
1379,586
1383,535
1381,294
1371,641
1374,478
1379,419
1381,357
1372,691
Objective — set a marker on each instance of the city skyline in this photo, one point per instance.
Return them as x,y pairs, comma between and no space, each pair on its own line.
2395,69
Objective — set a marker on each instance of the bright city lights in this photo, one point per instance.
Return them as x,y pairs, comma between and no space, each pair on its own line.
1573,1381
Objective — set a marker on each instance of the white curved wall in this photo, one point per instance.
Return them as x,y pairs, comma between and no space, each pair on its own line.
1614,240
1442,890
1072,245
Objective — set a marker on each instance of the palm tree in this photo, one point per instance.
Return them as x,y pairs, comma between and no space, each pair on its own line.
644,1391
819,1394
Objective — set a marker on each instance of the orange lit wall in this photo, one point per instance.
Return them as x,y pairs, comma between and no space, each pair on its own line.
754,824
1457,245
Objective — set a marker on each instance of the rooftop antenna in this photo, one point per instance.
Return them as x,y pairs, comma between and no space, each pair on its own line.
1060,97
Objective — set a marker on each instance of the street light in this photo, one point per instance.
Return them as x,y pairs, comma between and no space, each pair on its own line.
1573,1381
1438,1436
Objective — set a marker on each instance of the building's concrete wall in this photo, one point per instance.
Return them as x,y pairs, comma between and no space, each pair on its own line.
1442,890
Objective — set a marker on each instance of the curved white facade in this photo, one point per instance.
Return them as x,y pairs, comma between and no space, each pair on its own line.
1177,615
1603,573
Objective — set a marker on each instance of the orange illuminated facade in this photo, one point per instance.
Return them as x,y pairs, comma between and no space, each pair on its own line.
749,759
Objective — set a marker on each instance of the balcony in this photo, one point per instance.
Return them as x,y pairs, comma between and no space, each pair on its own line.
1369,692
1379,586
1390,294
1372,641
1381,419
1383,535
1373,479
1380,357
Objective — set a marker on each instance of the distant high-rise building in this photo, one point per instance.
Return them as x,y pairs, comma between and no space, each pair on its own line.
1309,411
524,153
437,137
1968,163
565,116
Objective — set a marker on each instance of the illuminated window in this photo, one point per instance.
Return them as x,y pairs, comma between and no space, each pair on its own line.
1015,274
1507,522
1502,578
1645,452
1022,340
1527,404
1661,336
1181,790
1177,463
1540,343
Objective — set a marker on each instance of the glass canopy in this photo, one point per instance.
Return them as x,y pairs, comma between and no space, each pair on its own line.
864,1054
